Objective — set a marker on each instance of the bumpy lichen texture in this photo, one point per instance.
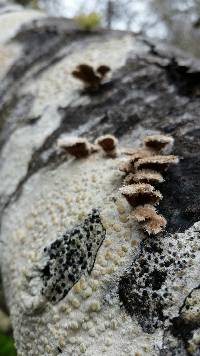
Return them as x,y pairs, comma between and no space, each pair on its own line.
77,308
89,317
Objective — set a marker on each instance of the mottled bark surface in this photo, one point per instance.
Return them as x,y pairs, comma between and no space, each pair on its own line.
153,297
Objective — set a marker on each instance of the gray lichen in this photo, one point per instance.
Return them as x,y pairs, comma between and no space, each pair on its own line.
72,256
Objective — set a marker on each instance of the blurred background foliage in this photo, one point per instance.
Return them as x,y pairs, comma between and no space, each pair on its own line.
175,22
7,347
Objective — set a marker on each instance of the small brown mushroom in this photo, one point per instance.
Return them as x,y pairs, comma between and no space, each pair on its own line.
90,77
128,166
144,176
158,142
78,147
108,143
103,70
153,223
157,162
140,193
86,74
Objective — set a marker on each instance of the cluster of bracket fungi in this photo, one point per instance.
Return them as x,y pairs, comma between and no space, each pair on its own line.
143,170
80,147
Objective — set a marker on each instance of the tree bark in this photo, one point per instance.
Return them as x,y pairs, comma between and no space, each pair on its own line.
140,295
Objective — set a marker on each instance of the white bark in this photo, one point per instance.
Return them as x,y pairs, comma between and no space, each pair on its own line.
45,194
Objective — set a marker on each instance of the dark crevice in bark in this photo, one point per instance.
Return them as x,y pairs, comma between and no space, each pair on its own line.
185,78
15,114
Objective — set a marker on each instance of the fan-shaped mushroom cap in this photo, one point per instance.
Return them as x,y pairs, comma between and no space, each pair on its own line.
157,162
141,193
102,70
144,176
158,142
107,142
78,147
152,221
86,74
128,166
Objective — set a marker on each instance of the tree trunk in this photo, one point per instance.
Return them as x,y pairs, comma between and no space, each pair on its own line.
134,294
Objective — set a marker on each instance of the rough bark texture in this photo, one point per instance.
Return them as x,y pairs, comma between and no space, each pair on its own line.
140,295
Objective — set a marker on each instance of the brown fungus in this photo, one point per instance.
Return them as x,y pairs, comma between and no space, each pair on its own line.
108,143
78,147
157,162
152,222
90,77
158,142
103,70
140,193
141,152
144,176
128,166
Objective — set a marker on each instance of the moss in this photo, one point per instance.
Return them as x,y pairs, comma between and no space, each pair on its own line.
7,347
88,21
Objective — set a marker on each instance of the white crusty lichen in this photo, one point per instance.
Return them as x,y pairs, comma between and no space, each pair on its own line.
89,314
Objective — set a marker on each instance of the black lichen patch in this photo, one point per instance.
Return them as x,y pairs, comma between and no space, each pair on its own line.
72,256
139,288
144,290
187,81
172,346
181,194
178,337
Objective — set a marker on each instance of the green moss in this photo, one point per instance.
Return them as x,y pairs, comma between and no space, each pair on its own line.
88,21
7,347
